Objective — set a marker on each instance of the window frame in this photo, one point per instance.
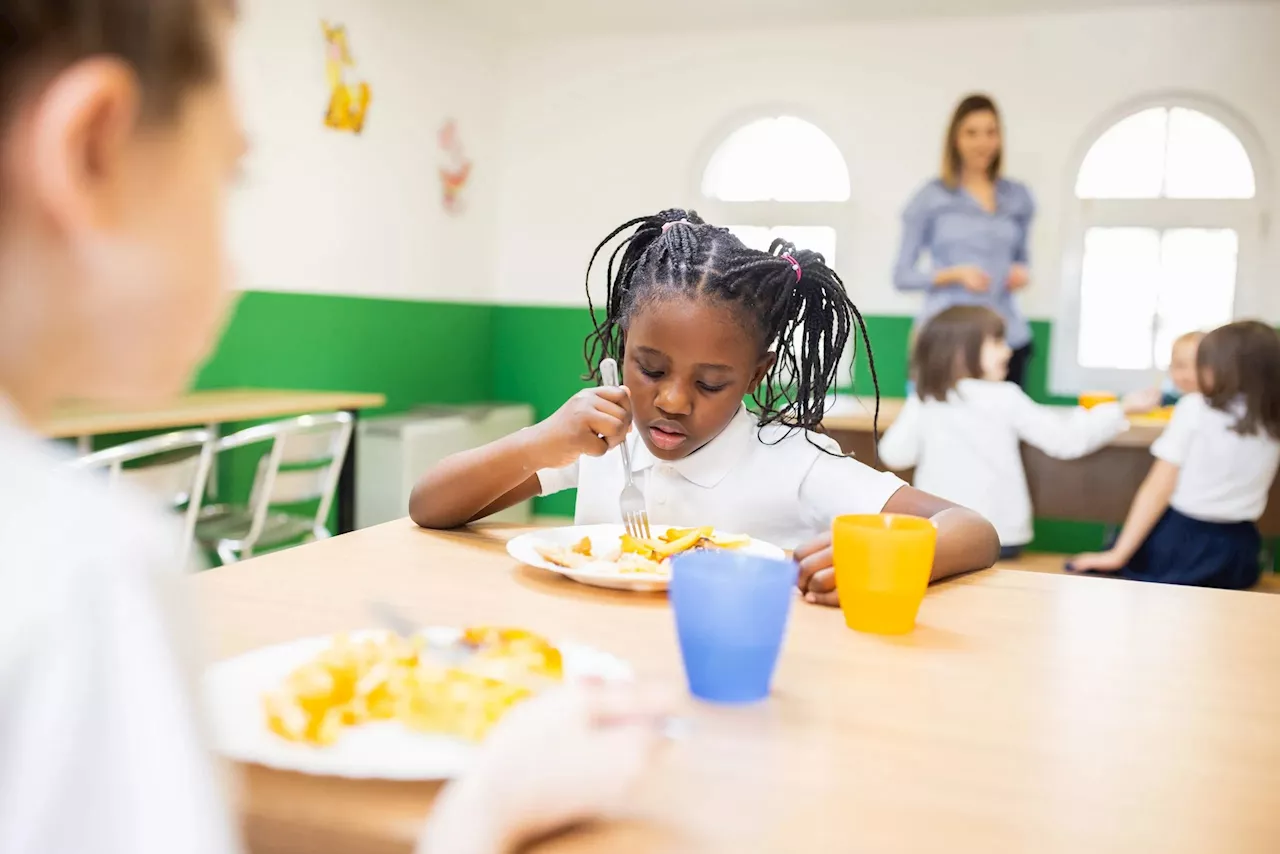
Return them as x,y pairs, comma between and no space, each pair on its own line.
1248,217
776,214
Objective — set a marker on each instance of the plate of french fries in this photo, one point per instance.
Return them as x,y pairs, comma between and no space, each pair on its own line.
374,705
607,556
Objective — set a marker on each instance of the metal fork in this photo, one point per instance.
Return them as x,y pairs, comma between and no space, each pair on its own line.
634,515
393,619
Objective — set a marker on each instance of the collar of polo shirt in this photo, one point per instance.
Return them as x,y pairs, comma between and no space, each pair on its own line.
711,463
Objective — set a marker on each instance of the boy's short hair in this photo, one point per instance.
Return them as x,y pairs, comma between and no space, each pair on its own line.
167,43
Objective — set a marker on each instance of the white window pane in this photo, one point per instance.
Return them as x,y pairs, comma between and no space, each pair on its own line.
1119,287
816,238
777,159
1198,283
1127,162
1205,160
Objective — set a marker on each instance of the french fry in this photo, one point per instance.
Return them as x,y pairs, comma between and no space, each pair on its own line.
349,684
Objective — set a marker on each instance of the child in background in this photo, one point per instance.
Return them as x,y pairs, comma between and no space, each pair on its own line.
1182,369
1192,521
962,429
699,321
118,142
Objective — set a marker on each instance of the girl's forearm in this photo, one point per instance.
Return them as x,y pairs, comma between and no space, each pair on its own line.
966,541
474,483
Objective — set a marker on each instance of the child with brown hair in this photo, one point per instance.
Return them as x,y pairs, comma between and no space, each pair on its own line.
962,428
1193,519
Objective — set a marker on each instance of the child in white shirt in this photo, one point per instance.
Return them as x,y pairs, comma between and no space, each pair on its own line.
699,321
962,428
119,140
1192,520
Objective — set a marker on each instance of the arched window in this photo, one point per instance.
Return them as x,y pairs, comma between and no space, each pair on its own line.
778,176
1164,232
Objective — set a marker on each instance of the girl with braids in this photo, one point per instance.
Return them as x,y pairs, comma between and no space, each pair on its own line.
698,322
118,137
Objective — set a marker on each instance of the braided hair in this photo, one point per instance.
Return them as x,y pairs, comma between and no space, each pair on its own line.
791,300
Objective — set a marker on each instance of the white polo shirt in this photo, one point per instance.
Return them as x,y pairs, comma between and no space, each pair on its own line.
1222,476
747,480
100,748
966,448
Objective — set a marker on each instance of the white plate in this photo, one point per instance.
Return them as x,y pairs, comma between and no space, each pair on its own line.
604,538
385,750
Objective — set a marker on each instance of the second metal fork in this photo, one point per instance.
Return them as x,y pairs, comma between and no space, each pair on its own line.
634,515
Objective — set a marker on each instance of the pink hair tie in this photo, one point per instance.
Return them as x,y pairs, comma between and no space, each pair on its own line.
667,225
795,265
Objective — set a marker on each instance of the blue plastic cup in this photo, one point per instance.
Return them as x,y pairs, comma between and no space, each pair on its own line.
731,614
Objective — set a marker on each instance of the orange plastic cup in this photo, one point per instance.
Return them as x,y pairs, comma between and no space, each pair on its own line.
883,563
1090,399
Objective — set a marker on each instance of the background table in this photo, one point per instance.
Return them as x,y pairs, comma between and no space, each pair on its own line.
1028,712
1096,488
83,419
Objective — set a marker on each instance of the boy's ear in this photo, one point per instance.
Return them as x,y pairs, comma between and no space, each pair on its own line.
77,134
762,369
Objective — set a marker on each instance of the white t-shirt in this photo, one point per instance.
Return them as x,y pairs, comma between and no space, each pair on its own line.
782,490
100,748
966,449
1223,476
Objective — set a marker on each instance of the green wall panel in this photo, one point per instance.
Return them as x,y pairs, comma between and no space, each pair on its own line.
537,359
412,352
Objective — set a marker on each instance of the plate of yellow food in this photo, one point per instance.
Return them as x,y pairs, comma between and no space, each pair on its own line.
606,556
374,705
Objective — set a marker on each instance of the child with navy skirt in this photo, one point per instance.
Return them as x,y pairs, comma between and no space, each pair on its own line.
1193,519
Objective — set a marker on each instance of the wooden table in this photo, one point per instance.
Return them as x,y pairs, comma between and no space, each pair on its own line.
1027,712
1097,488
82,420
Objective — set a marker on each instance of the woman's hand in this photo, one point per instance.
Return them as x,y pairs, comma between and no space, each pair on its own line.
590,423
1019,277
564,757
970,277
1109,561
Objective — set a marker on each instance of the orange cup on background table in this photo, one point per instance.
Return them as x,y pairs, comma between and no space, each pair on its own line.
1090,399
883,563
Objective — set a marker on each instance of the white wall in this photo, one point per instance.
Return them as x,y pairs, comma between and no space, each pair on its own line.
599,129
323,211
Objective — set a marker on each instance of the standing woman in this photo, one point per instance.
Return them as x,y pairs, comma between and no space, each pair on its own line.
972,224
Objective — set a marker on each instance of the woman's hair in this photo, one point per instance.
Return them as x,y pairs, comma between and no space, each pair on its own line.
951,165
1241,361
789,299
167,43
949,348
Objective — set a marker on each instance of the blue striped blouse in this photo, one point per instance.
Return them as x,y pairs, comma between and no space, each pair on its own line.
952,228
